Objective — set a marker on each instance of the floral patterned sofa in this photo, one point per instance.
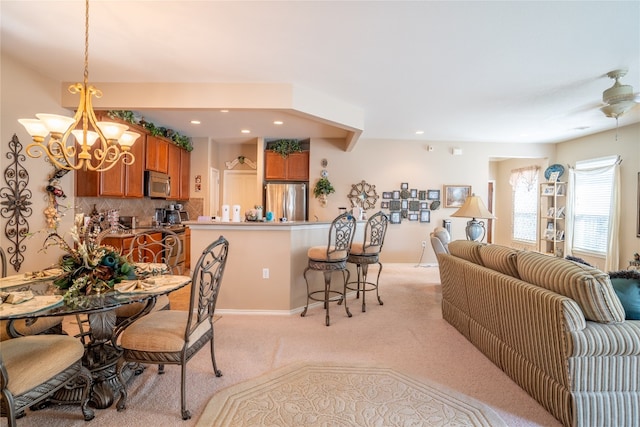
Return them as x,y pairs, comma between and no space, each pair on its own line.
556,327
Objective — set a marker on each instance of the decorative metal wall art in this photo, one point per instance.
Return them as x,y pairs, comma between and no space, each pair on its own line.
363,195
16,204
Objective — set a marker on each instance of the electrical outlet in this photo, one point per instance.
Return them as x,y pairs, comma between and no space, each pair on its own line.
424,243
265,273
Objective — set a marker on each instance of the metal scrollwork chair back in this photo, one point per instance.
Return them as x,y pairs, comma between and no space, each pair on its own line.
367,252
185,332
329,259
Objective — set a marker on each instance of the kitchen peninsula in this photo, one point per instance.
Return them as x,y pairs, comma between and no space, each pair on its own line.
265,263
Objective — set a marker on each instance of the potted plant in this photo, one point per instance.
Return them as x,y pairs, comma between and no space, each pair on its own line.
323,188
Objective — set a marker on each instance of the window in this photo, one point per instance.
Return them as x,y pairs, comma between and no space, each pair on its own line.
592,204
524,183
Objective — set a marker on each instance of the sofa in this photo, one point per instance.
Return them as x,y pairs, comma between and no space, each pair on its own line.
556,327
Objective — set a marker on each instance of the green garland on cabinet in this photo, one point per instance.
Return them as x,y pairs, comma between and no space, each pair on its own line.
181,141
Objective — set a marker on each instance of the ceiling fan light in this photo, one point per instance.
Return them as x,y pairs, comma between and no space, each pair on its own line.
618,109
618,93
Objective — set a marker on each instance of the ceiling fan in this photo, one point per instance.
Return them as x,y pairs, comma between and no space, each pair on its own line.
619,98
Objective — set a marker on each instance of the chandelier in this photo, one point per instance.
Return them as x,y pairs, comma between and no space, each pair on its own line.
72,147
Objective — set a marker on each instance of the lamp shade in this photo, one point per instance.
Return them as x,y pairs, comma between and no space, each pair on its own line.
473,207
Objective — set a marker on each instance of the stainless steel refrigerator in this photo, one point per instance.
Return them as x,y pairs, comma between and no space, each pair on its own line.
286,200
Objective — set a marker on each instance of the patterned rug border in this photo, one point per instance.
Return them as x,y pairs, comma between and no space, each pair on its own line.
218,408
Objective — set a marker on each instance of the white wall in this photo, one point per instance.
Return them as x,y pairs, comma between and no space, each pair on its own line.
25,93
384,163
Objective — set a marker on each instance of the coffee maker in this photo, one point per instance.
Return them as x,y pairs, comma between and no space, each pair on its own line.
159,216
172,216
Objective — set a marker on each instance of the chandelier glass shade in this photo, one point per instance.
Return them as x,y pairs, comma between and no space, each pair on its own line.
70,142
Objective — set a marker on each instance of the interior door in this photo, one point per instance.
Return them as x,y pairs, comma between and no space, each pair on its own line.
240,189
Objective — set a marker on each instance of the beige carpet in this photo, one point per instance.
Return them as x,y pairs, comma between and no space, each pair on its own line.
329,395
406,334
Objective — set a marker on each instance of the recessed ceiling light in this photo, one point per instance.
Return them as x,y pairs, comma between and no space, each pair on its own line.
245,131
195,122
278,122
419,132
224,111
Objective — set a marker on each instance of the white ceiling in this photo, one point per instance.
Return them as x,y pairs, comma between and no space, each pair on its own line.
459,71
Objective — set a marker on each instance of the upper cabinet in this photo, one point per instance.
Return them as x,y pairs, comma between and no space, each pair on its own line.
119,181
294,167
157,156
179,165
151,153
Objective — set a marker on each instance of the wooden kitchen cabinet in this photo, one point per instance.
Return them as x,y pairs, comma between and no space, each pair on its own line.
119,181
123,244
157,154
295,167
187,250
179,171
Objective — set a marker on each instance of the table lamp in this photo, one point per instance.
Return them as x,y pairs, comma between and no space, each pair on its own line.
473,208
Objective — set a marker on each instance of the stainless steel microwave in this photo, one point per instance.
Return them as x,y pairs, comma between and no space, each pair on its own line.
157,185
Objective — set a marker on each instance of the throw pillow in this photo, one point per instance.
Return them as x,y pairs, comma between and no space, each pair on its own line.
466,249
500,258
626,283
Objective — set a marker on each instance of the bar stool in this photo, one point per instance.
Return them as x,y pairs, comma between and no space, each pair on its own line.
329,259
366,253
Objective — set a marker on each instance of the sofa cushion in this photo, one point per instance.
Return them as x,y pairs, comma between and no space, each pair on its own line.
588,286
628,290
467,250
500,258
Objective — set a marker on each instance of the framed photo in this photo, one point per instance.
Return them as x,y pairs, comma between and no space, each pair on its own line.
548,190
433,195
549,234
405,204
414,193
394,205
553,177
550,225
384,205
396,194
414,205
560,212
422,195
560,235
425,216
455,195
395,218
386,194
424,205
551,212
404,186
413,217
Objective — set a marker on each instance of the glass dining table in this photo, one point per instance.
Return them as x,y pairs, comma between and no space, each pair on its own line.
102,353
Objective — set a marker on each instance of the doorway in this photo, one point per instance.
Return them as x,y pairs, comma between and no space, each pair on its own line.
239,188
214,192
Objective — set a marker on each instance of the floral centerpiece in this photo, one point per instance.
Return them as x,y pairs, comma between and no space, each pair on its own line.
88,267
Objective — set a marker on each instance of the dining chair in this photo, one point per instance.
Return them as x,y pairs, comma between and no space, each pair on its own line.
329,259
34,368
22,327
146,247
174,336
366,253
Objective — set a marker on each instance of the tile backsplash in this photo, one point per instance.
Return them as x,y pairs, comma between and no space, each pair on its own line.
142,208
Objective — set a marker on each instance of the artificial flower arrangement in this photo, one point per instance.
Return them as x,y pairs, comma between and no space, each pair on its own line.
89,268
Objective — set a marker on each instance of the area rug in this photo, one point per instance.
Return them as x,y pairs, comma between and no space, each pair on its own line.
330,395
